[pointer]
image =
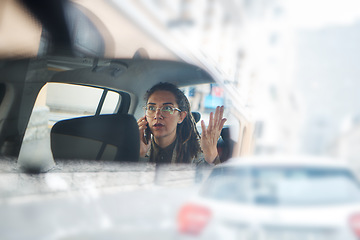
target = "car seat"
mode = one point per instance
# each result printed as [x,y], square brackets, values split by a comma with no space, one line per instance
[225,145]
[196,116]
[100,137]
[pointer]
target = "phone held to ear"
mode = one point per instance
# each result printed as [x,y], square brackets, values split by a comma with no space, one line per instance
[147,135]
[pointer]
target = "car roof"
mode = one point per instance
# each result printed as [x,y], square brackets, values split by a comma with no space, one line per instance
[134,76]
[126,74]
[285,161]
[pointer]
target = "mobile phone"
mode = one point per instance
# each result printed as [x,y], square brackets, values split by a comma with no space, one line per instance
[147,134]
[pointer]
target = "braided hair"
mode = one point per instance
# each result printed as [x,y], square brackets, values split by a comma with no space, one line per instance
[187,146]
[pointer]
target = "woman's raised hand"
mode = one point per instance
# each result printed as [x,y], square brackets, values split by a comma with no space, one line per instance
[211,134]
[144,142]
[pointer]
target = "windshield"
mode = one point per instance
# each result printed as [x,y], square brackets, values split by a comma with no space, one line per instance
[283,186]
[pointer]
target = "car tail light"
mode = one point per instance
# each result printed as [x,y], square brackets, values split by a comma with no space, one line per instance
[193,218]
[354,222]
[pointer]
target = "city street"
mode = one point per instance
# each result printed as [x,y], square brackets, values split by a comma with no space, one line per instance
[125,212]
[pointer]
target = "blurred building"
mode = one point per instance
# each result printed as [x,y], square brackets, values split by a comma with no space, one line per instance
[346,146]
[267,73]
[328,76]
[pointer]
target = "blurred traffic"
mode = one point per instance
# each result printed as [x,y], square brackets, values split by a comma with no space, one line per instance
[275,198]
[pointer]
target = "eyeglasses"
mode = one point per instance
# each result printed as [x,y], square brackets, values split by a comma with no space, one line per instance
[165,111]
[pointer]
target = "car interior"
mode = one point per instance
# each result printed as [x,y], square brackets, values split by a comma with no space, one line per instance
[97,136]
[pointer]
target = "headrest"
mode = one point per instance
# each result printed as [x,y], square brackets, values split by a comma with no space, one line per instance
[196,116]
[225,133]
[118,130]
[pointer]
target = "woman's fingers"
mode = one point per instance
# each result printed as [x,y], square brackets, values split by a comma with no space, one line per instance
[211,133]
[219,112]
[216,121]
[142,123]
[222,120]
[211,121]
[203,128]
[222,123]
[144,145]
[140,120]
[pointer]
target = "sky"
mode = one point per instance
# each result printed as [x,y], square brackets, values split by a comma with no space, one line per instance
[315,14]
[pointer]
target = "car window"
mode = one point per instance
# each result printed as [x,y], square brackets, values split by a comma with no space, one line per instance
[228,184]
[67,100]
[204,98]
[59,101]
[311,186]
[283,186]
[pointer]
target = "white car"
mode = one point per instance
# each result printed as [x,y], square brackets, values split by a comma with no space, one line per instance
[275,199]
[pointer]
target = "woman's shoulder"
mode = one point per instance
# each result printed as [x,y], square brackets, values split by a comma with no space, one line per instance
[200,160]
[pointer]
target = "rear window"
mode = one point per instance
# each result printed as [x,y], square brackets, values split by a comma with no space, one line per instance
[67,101]
[283,186]
[59,101]
[204,98]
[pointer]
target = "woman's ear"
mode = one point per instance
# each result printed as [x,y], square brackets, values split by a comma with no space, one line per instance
[182,116]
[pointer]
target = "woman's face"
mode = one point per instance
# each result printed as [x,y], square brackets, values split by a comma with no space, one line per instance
[164,128]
